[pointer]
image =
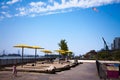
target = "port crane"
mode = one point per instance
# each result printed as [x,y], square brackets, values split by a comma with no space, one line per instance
[105,44]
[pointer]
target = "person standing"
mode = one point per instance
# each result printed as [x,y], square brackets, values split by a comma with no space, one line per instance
[14,71]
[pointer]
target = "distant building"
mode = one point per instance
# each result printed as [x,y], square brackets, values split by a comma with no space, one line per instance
[116,43]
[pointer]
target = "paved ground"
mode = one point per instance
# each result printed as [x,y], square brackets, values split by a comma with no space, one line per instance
[85,71]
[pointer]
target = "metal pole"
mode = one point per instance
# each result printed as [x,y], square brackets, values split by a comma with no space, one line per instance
[59,57]
[22,55]
[35,55]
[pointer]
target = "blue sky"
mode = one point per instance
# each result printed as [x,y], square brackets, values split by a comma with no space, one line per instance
[46,22]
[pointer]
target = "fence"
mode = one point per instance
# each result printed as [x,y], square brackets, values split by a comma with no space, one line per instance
[10,62]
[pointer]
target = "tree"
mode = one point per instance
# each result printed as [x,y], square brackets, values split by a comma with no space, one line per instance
[103,55]
[116,55]
[92,54]
[63,46]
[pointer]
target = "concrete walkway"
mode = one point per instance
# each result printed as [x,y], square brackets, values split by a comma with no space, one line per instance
[85,71]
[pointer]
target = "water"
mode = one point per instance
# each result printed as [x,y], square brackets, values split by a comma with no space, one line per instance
[9,57]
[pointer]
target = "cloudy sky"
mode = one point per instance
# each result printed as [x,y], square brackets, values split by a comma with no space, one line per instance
[32,8]
[82,23]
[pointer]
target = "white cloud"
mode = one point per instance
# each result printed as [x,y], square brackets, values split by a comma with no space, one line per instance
[12,1]
[37,4]
[53,6]
[4,7]
[42,7]
[56,12]
[3,13]
[6,14]
[22,12]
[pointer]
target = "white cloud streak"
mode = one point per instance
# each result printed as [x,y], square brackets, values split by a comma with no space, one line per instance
[12,1]
[33,9]
[56,7]
[6,14]
[4,7]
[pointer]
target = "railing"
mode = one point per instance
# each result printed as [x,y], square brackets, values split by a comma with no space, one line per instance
[18,61]
[103,72]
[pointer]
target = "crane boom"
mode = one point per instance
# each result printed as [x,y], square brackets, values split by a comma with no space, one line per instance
[105,44]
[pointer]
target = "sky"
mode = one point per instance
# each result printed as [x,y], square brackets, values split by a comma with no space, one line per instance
[82,23]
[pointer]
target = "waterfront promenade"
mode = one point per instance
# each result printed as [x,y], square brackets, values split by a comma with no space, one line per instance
[85,71]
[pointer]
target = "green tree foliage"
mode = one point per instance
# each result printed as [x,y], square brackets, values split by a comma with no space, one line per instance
[116,55]
[63,46]
[109,55]
[103,55]
[90,55]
